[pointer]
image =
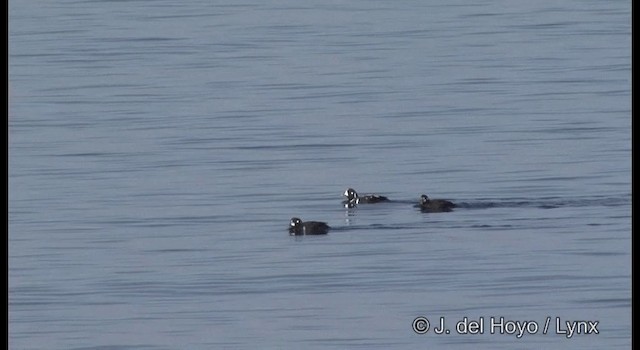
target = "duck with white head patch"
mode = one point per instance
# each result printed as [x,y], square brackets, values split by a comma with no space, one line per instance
[298,228]
[353,198]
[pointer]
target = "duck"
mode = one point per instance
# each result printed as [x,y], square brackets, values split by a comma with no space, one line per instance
[298,228]
[353,198]
[429,205]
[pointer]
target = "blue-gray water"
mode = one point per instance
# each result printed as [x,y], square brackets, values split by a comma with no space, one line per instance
[158,149]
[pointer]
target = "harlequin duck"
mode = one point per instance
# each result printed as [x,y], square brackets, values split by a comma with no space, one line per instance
[428,205]
[353,198]
[298,228]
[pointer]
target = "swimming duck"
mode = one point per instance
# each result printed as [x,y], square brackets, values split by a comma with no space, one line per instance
[353,198]
[297,227]
[429,205]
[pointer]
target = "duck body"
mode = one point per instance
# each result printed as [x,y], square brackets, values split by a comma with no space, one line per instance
[298,228]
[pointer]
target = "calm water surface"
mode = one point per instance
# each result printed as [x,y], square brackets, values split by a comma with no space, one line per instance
[157,151]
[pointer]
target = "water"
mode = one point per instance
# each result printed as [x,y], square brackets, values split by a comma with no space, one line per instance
[157,151]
